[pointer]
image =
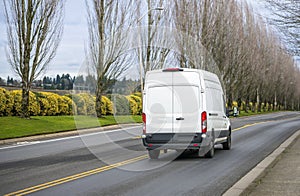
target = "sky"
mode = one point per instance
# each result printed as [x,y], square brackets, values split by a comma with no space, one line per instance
[70,54]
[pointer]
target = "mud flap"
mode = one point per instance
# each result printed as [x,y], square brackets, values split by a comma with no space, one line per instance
[205,146]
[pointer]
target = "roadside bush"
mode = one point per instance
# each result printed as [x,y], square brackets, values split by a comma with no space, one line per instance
[107,106]
[48,103]
[17,107]
[234,104]
[138,94]
[89,101]
[121,104]
[66,106]
[6,102]
[138,101]
[79,107]
[252,106]
[133,105]
[243,106]
[34,105]
[263,108]
[44,104]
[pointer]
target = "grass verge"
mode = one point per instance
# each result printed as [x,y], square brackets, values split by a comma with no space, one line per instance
[14,127]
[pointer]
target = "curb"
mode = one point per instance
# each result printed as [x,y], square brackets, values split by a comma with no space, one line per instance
[240,186]
[65,134]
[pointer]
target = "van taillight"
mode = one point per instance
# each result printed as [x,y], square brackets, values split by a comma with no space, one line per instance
[144,123]
[204,122]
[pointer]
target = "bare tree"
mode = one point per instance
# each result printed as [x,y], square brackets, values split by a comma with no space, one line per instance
[253,64]
[34,29]
[152,54]
[286,16]
[108,22]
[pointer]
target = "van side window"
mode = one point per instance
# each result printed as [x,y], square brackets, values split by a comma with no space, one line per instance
[214,100]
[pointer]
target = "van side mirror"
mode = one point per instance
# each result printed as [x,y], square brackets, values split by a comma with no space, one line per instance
[229,113]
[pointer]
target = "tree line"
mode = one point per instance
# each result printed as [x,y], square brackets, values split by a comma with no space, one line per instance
[78,83]
[225,37]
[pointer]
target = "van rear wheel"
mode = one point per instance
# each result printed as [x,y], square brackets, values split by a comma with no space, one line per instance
[227,145]
[153,154]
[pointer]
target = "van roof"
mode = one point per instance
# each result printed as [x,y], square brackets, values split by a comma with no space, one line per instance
[205,74]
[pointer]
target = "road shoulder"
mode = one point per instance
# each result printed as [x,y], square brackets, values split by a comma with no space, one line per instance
[265,179]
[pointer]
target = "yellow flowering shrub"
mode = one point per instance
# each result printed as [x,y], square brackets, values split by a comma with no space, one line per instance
[121,104]
[133,105]
[89,104]
[34,105]
[138,101]
[6,102]
[66,105]
[48,103]
[79,107]
[106,106]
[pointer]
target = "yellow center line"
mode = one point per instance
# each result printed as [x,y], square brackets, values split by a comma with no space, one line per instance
[249,125]
[136,137]
[75,177]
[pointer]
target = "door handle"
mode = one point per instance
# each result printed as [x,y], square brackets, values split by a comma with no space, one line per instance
[180,118]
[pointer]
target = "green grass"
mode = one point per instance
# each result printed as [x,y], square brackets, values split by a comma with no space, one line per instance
[14,127]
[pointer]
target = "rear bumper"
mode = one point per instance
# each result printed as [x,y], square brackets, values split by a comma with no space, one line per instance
[190,141]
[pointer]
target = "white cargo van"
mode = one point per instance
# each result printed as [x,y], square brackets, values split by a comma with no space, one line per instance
[184,109]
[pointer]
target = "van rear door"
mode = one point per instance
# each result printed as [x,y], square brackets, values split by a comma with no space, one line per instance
[173,102]
[159,109]
[186,109]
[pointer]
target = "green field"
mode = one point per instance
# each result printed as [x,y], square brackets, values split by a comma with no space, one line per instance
[14,127]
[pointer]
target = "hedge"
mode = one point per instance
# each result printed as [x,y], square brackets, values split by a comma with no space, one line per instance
[138,102]
[51,104]
[66,106]
[6,102]
[84,104]
[107,106]
[89,102]
[121,104]
[34,107]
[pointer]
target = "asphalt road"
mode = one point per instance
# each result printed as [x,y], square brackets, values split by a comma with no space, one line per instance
[115,163]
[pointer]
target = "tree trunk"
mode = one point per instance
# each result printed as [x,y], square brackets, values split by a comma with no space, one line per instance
[25,102]
[98,101]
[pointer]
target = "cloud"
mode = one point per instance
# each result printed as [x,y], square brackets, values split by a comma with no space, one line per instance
[73,65]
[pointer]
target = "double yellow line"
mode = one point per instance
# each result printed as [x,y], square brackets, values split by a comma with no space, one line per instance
[92,172]
[75,177]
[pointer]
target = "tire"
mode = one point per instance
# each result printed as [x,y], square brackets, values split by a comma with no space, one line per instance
[153,154]
[210,154]
[227,145]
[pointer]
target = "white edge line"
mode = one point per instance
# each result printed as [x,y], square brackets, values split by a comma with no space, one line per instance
[65,138]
